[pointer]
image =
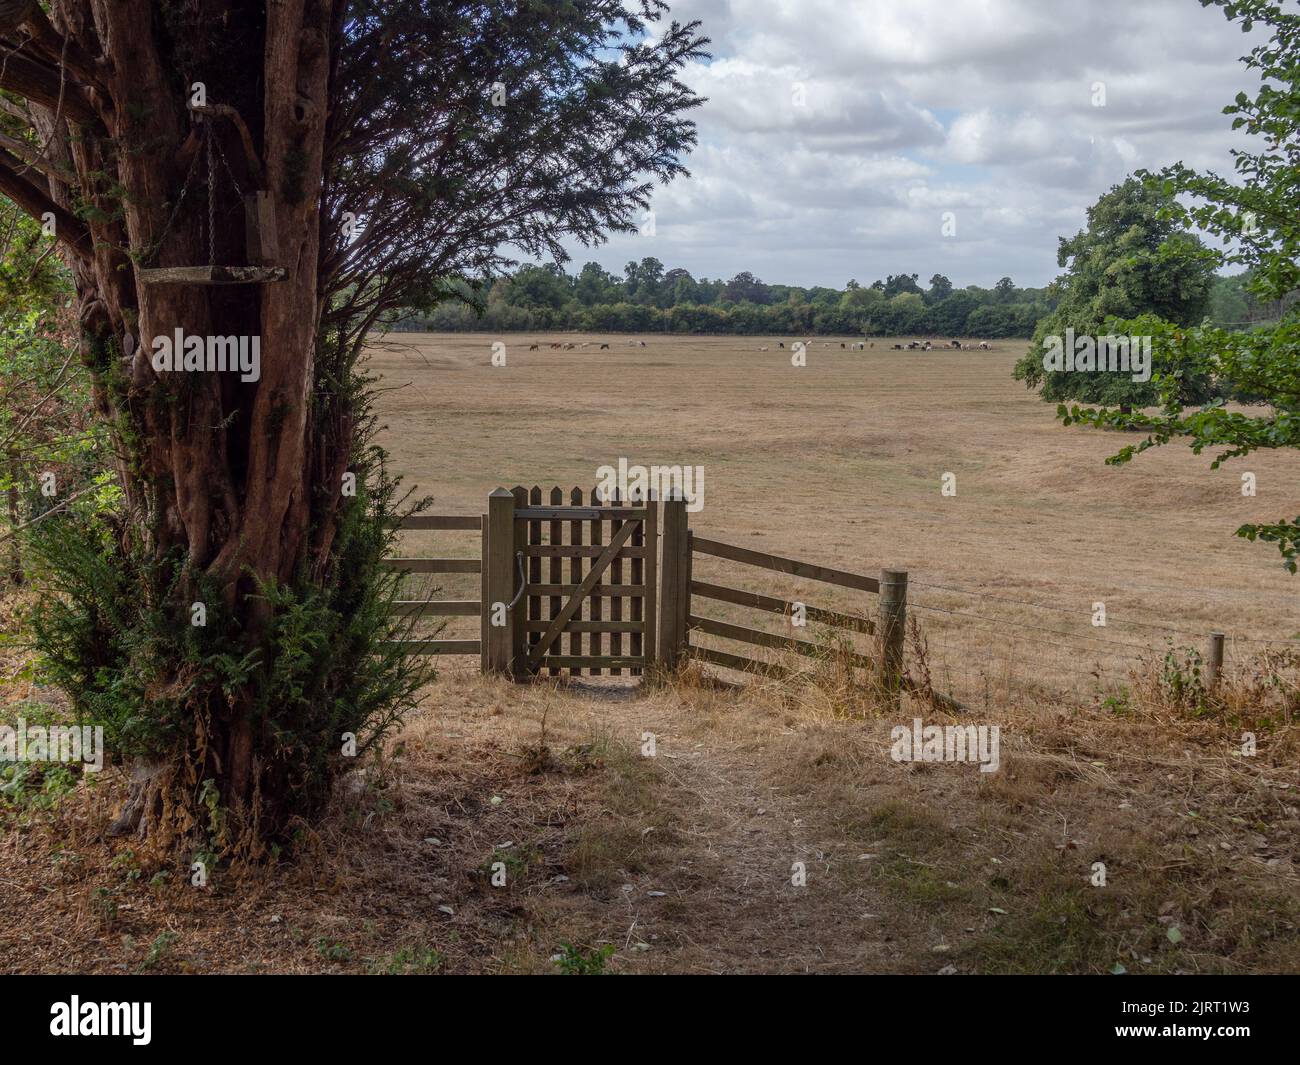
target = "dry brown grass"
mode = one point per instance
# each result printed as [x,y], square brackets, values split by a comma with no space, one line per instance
[683,862]
[840,462]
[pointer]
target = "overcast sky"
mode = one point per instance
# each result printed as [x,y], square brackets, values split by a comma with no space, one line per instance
[914,108]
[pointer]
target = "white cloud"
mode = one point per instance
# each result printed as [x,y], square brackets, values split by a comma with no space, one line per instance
[836,134]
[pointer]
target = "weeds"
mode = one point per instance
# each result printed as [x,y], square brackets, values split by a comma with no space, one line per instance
[573,961]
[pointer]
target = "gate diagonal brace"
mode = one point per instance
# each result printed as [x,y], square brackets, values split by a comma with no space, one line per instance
[575,600]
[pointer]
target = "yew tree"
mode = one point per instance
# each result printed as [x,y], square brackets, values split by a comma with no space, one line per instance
[363,157]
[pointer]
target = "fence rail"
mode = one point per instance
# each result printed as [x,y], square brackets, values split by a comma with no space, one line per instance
[422,608]
[886,664]
[785,565]
[585,584]
[579,583]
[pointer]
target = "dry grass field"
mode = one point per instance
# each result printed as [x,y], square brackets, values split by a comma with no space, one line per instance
[840,462]
[686,861]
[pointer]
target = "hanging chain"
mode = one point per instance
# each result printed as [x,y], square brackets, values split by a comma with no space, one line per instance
[156,247]
[212,199]
[229,173]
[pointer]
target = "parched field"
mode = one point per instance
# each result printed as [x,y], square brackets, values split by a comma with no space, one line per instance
[841,462]
[771,830]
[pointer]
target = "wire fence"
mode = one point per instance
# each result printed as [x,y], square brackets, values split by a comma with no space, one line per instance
[982,647]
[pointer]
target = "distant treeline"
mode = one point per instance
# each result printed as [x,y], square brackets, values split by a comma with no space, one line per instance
[650,299]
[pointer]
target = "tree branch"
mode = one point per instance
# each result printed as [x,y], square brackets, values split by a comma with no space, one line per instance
[27,154]
[68,227]
[42,84]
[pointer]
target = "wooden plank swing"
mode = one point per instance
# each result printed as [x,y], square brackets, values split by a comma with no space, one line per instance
[260,239]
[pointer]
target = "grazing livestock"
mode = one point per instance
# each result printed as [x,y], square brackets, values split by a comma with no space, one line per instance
[841,345]
[898,347]
[955,344]
[763,348]
[780,343]
[984,345]
[604,347]
[643,343]
[532,347]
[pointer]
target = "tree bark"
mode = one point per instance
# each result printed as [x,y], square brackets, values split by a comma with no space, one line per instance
[213,467]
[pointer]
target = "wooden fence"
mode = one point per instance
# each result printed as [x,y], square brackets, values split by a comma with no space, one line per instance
[554,591]
[422,608]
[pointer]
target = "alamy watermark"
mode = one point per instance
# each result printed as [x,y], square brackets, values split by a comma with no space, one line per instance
[657,482]
[77,1018]
[192,354]
[947,743]
[53,743]
[1106,354]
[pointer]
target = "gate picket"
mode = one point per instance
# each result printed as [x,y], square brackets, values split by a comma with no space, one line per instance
[575,577]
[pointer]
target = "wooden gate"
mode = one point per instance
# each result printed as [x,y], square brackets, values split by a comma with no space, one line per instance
[589,578]
[576,587]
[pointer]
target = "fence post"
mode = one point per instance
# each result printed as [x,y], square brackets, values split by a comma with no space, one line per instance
[674,589]
[519,615]
[1214,660]
[484,599]
[892,625]
[498,564]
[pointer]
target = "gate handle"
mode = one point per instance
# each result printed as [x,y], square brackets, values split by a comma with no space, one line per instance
[523,581]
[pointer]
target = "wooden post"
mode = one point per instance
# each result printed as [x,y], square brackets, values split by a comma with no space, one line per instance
[1214,660]
[484,599]
[259,229]
[519,616]
[684,616]
[672,581]
[499,582]
[892,627]
[648,574]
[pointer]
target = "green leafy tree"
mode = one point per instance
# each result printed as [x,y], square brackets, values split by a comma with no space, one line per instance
[746,288]
[952,315]
[539,287]
[940,289]
[595,284]
[1132,259]
[1257,217]
[46,424]
[900,283]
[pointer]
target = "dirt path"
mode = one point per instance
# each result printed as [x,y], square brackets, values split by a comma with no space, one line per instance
[731,901]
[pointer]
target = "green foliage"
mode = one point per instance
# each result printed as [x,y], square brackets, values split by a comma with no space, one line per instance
[36,787]
[44,392]
[159,949]
[649,298]
[1182,680]
[115,633]
[574,961]
[332,951]
[1131,261]
[407,960]
[1257,218]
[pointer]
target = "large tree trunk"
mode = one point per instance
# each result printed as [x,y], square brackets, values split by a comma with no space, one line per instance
[360,111]
[215,469]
